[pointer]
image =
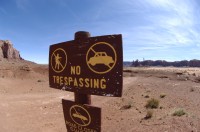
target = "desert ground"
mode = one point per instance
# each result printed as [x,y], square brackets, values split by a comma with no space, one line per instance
[28,104]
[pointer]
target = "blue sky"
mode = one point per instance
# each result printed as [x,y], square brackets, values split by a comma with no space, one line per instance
[151,29]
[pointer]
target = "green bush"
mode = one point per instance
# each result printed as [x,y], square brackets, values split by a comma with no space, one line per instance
[152,103]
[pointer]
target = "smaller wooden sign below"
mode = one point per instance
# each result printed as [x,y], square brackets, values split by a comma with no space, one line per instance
[81,118]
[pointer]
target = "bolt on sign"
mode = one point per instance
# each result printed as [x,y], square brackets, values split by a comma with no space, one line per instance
[81,118]
[90,66]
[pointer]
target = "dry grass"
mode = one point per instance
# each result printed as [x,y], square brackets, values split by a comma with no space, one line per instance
[179,112]
[149,114]
[152,103]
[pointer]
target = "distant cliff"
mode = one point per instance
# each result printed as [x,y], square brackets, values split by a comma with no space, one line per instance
[183,63]
[127,63]
[7,51]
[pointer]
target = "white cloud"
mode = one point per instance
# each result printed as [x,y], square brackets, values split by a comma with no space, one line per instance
[174,23]
[180,20]
[169,27]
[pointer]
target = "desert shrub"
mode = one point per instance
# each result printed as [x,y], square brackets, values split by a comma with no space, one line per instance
[146,96]
[152,103]
[162,95]
[149,114]
[179,112]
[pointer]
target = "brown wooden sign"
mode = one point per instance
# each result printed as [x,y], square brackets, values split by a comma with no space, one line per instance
[90,66]
[81,118]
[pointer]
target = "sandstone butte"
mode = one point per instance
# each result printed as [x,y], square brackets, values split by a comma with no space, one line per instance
[7,51]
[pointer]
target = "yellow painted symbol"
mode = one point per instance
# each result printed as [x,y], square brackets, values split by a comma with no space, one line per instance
[101,57]
[59,60]
[80,115]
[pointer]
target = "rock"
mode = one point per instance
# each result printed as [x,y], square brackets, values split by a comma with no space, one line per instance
[8,51]
[1,51]
[26,68]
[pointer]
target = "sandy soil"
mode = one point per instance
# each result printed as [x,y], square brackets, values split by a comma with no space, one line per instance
[27,104]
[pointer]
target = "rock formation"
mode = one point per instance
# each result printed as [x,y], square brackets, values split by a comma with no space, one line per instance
[8,51]
[183,63]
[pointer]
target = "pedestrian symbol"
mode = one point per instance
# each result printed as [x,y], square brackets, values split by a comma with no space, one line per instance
[59,60]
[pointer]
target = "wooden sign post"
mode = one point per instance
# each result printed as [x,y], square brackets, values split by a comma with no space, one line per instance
[86,66]
[78,97]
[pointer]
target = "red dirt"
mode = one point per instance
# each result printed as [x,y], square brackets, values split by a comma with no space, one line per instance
[28,104]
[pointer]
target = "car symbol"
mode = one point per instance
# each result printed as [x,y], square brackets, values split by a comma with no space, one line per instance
[101,58]
[80,116]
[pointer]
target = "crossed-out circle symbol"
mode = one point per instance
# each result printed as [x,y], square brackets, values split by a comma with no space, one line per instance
[80,115]
[59,60]
[101,57]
